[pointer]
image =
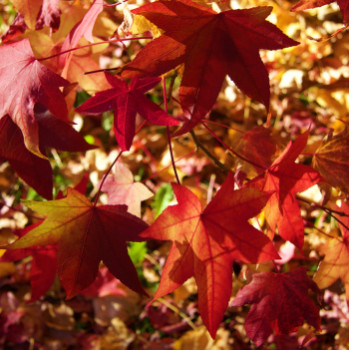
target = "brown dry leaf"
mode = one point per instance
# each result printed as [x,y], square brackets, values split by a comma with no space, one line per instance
[117,336]
[188,288]
[7,269]
[336,101]
[33,320]
[6,237]
[122,307]
[331,160]
[342,338]
[200,339]
[60,317]
[341,48]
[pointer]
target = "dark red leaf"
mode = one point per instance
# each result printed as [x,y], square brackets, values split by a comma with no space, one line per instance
[281,303]
[210,45]
[127,101]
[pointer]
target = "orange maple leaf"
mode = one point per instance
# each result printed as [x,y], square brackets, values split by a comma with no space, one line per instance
[336,261]
[285,178]
[206,242]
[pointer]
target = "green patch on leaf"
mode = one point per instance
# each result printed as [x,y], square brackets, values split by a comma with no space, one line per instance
[162,199]
[137,251]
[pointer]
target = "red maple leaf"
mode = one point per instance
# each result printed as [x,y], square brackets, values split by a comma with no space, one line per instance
[43,266]
[206,242]
[285,178]
[211,45]
[37,84]
[104,284]
[310,4]
[17,28]
[36,171]
[85,235]
[281,302]
[126,101]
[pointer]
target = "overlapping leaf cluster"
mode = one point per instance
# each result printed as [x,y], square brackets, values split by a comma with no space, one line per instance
[259,206]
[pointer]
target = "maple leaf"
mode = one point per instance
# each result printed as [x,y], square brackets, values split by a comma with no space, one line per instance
[43,266]
[210,45]
[86,234]
[281,302]
[29,9]
[49,15]
[104,284]
[36,171]
[81,29]
[285,178]
[39,13]
[310,4]
[205,243]
[37,84]
[17,28]
[335,264]
[127,100]
[331,160]
[44,258]
[121,189]
[250,147]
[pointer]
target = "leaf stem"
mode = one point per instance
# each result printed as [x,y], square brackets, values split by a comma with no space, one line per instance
[323,232]
[115,4]
[93,44]
[229,148]
[207,152]
[177,311]
[104,178]
[322,39]
[166,167]
[224,126]
[328,211]
[340,213]
[168,131]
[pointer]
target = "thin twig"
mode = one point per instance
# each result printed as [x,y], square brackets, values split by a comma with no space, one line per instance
[224,126]
[168,133]
[104,178]
[208,153]
[166,167]
[229,148]
[115,4]
[328,211]
[92,44]
[340,213]
[177,311]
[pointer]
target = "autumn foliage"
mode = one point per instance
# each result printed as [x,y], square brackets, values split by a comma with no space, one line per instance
[185,160]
